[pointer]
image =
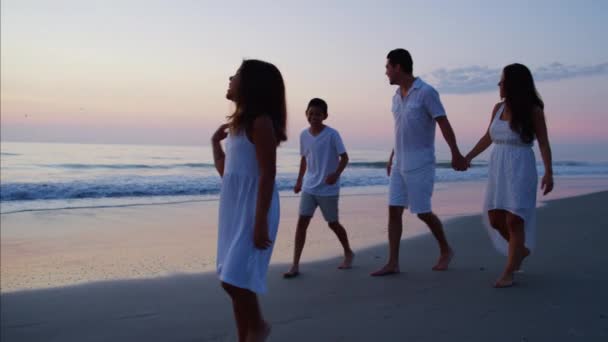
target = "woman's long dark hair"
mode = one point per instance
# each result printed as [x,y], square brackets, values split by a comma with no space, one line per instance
[261,91]
[522,99]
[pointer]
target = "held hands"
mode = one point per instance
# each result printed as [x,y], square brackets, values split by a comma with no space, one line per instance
[332,178]
[260,235]
[469,160]
[220,134]
[547,183]
[460,163]
[298,187]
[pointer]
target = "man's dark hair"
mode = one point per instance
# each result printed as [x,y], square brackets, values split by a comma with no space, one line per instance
[403,58]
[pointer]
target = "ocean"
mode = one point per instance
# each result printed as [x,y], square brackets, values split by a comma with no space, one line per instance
[50,176]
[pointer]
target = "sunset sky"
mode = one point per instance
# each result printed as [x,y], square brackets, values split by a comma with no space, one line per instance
[156,72]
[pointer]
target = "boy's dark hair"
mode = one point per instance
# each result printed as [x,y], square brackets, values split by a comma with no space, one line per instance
[403,58]
[319,103]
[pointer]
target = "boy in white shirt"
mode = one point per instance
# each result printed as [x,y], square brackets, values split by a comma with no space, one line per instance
[323,160]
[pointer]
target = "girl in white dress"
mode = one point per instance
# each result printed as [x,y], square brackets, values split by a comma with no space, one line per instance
[249,201]
[512,177]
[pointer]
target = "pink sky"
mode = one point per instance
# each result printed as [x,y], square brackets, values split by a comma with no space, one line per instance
[125,72]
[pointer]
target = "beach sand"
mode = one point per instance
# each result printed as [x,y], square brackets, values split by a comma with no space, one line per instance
[559,297]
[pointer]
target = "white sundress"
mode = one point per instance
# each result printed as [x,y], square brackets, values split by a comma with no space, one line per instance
[512,181]
[239,263]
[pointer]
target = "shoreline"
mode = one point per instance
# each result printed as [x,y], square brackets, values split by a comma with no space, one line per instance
[81,246]
[65,247]
[359,190]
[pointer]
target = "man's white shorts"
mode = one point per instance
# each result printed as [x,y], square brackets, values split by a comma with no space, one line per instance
[412,189]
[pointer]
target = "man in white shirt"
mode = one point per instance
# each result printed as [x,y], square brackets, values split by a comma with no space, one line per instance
[411,167]
[323,160]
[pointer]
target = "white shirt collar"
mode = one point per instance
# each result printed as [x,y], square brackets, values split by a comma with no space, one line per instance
[416,85]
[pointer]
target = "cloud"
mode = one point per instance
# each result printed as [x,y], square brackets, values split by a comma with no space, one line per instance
[558,71]
[476,79]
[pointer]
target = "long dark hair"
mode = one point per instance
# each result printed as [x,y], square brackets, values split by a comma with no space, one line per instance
[522,99]
[261,91]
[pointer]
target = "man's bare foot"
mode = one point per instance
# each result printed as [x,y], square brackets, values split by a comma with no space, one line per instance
[348,261]
[386,270]
[525,254]
[444,261]
[293,272]
[259,335]
[504,281]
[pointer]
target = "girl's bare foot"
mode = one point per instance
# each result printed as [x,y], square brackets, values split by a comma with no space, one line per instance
[293,272]
[444,261]
[348,261]
[386,270]
[504,281]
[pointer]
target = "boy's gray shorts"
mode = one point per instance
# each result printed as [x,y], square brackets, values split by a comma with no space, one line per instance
[328,205]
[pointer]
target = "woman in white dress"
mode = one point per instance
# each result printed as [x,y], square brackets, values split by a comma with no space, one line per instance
[512,177]
[249,201]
